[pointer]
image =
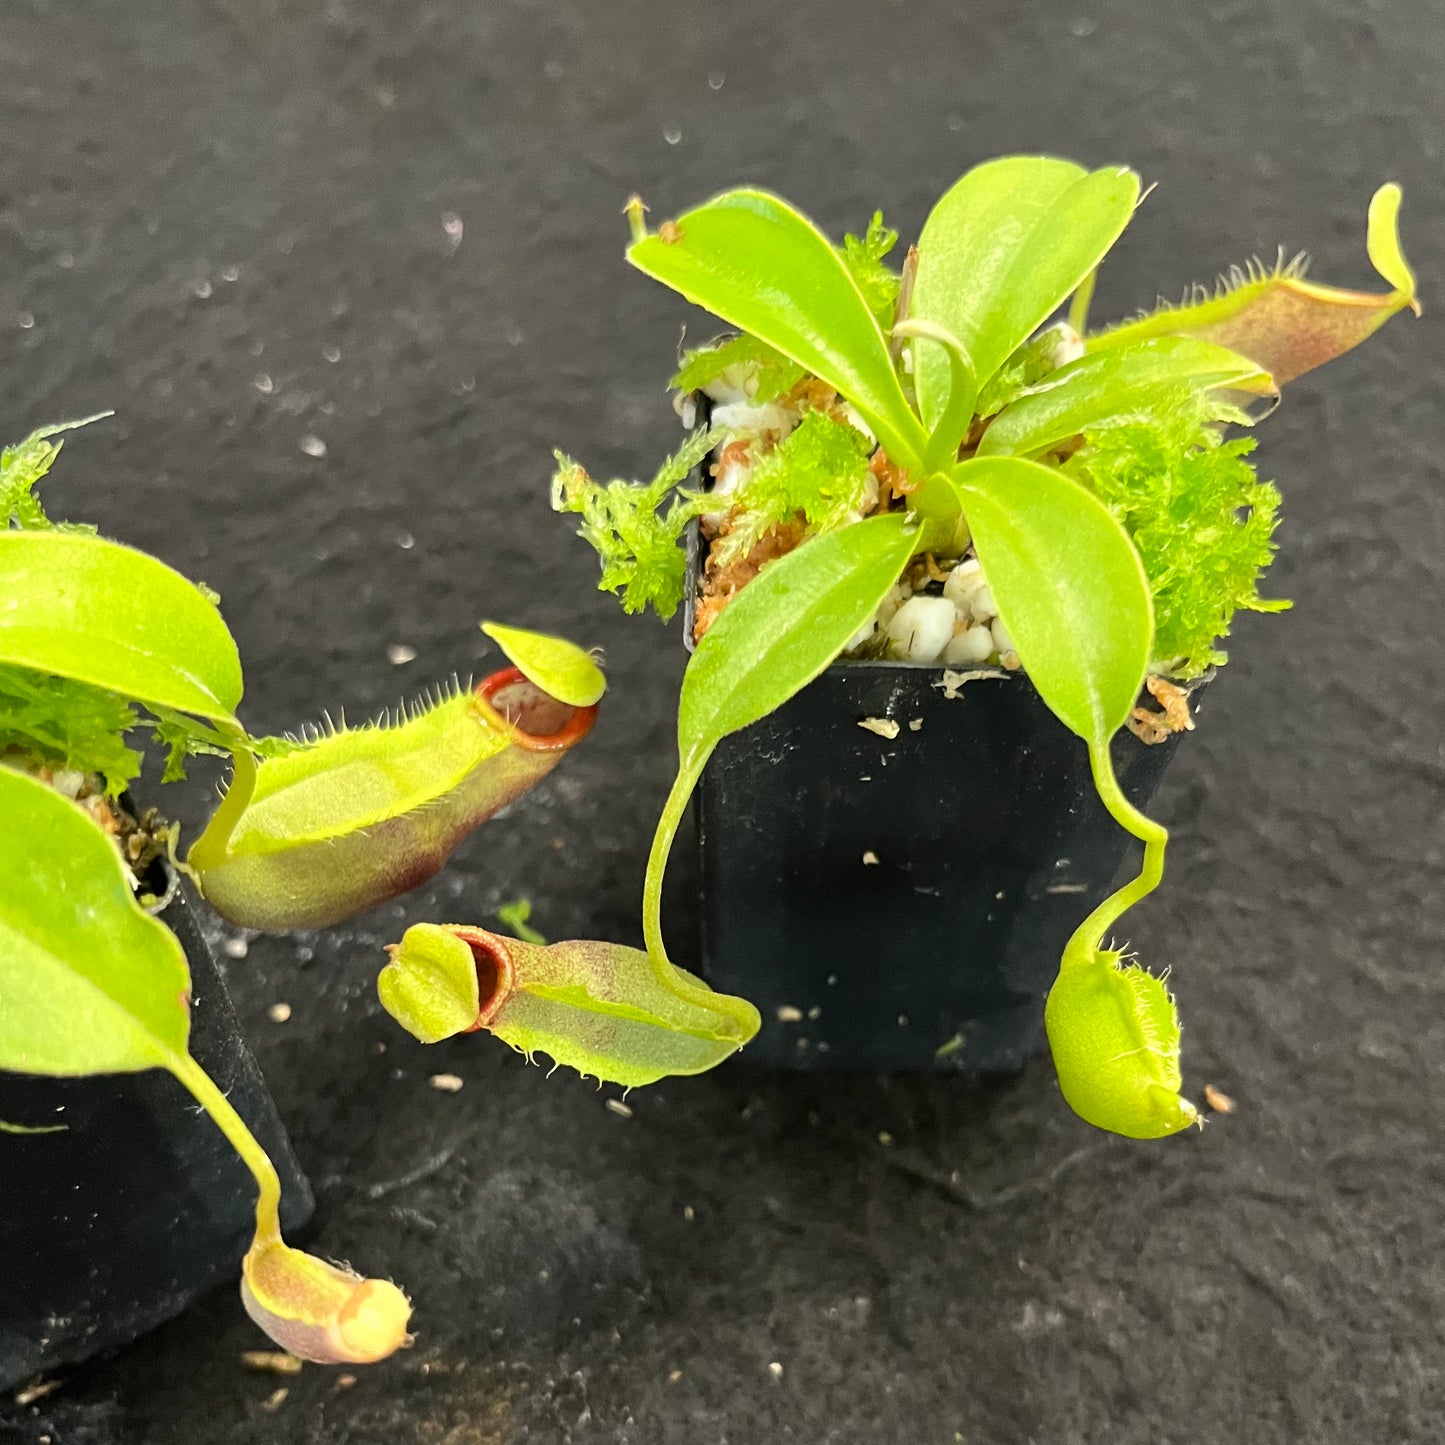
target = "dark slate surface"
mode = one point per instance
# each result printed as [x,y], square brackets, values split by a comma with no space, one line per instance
[198,197]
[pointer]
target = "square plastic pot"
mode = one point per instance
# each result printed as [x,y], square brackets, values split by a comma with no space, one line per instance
[902,903]
[139,1206]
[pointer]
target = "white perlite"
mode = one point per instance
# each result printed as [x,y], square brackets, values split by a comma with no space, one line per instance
[921,628]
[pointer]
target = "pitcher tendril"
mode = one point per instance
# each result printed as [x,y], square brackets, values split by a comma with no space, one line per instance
[316,1310]
[1112,1027]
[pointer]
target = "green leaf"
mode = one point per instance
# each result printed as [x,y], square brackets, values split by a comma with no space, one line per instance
[782,629]
[1028,366]
[1284,323]
[1069,587]
[89,982]
[753,260]
[1114,386]
[1002,249]
[560,668]
[775,636]
[81,607]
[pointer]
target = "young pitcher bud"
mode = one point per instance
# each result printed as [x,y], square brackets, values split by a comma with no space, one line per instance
[1114,1034]
[320,1312]
[599,1008]
[347,821]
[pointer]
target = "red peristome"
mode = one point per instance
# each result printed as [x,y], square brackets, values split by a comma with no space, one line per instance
[538,722]
[496,973]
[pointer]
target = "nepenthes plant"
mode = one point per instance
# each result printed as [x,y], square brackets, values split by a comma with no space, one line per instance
[917,464]
[99,644]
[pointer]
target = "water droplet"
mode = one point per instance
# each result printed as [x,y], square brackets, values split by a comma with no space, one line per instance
[313,446]
[715,80]
[955,122]
[230,273]
[452,225]
[405,541]
[672,134]
[331,353]
[399,654]
[26,319]
[201,289]
[264,384]
[1083,26]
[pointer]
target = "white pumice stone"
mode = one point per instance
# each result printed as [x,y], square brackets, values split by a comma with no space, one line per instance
[1001,639]
[734,385]
[972,645]
[68,781]
[922,627]
[897,595]
[743,417]
[962,583]
[981,605]
[856,421]
[730,478]
[1067,346]
[867,501]
[862,635]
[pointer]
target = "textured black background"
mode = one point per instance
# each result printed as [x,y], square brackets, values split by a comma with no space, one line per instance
[195,196]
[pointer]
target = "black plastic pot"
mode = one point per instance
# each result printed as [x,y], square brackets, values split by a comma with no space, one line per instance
[116,1224]
[903,904]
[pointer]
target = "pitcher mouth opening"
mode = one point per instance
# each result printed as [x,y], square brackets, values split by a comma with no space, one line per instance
[496,976]
[537,721]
